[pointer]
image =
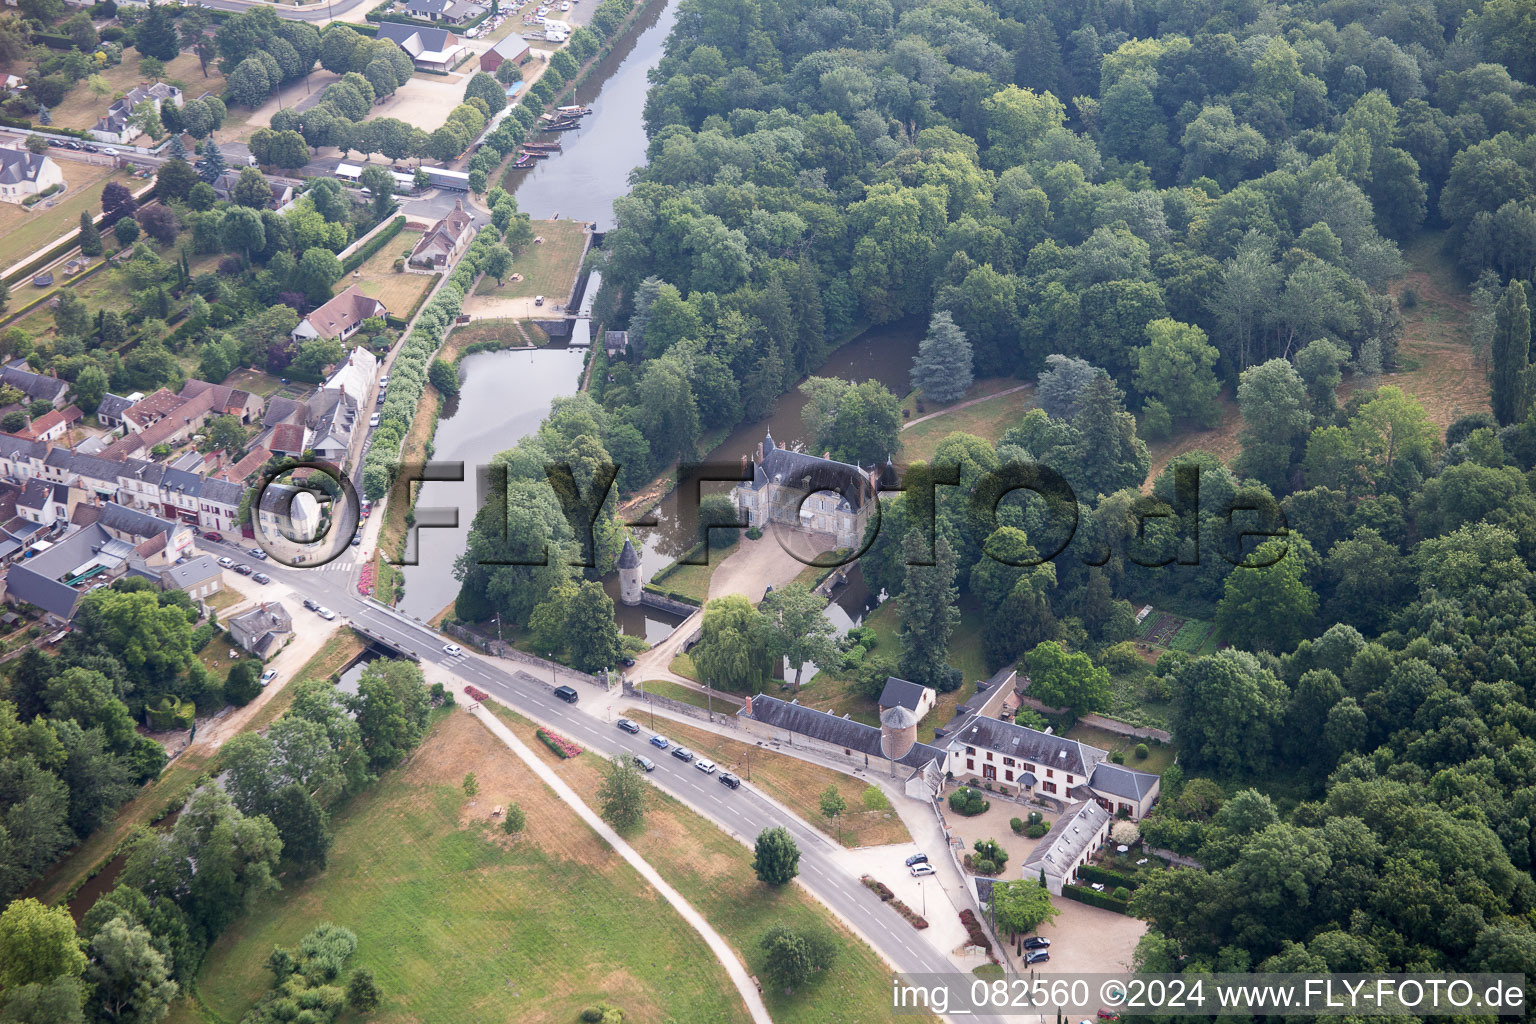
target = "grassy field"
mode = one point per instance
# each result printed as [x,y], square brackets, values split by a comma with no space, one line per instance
[254,381]
[1159,755]
[503,333]
[82,107]
[797,785]
[25,231]
[548,268]
[460,923]
[399,292]
[69,872]
[990,418]
[714,872]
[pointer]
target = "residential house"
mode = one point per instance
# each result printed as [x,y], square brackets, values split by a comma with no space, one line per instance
[355,376]
[245,470]
[1081,831]
[224,187]
[43,502]
[821,496]
[445,242]
[36,386]
[334,420]
[24,174]
[245,406]
[288,439]
[340,317]
[200,578]
[110,412]
[431,49]
[1018,760]
[260,630]
[116,125]
[513,48]
[453,12]
[288,511]
[915,697]
[53,424]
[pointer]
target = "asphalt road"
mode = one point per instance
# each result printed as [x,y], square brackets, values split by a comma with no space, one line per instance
[309,12]
[742,811]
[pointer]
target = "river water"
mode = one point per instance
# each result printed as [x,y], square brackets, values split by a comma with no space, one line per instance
[506,395]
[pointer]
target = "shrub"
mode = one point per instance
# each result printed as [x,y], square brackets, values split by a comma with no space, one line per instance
[968,801]
[973,930]
[1035,817]
[874,799]
[1121,893]
[1408,299]
[986,867]
[879,888]
[560,745]
[1102,900]
[1036,830]
[1142,751]
[1017,824]
[1117,757]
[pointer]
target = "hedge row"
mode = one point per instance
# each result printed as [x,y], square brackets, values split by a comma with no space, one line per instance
[878,888]
[373,245]
[1102,900]
[974,930]
[408,376]
[1094,873]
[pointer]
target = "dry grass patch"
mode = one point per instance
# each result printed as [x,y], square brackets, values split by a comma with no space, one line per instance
[458,923]
[400,292]
[82,107]
[503,333]
[25,231]
[548,268]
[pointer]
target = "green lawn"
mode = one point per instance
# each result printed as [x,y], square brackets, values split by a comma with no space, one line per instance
[1159,755]
[26,231]
[714,872]
[990,418]
[460,924]
[688,695]
[548,268]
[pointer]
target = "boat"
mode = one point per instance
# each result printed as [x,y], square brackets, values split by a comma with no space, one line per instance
[559,126]
[576,110]
[526,160]
[526,155]
[542,147]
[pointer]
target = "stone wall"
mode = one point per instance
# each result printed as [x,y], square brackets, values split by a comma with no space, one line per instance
[726,717]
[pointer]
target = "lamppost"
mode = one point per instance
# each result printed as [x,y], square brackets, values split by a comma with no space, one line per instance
[500,644]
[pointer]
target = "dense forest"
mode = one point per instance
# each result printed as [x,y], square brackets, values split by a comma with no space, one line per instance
[1143,208]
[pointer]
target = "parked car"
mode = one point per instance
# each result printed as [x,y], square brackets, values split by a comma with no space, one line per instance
[384,381]
[243,569]
[917,858]
[919,870]
[628,726]
[357,538]
[1039,956]
[566,693]
[213,535]
[645,762]
[729,781]
[1108,1014]
[683,754]
[660,742]
[325,613]
[627,662]
[453,650]
[257,553]
[707,767]
[109,151]
[262,578]
[227,562]
[310,604]
[267,676]
[373,420]
[538,300]
[1037,942]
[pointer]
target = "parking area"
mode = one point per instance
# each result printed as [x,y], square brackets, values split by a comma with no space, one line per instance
[1088,940]
[927,895]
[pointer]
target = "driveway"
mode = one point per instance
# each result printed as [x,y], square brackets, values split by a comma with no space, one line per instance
[993,824]
[928,896]
[1087,940]
[753,567]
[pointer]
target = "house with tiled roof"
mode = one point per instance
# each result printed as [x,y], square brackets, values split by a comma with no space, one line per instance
[340,317]
[1077,835]
[431,49]
[244,405]
[444,242]
[243,471]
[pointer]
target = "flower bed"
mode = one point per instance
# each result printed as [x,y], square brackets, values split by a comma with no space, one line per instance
[559,744]
[973,929]
[879,888]
[365,580]
[477,693]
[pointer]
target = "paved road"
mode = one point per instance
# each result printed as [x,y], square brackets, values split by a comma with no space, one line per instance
[309,12]
[742,812]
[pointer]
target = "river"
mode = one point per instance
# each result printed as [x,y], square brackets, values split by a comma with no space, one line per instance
[505,395]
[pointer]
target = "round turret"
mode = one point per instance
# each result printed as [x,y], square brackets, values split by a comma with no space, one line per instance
[629,574]
[898,732]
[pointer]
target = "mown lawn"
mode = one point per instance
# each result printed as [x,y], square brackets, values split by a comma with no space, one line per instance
[81,108]
[27,230]
[714,872]
[400,292]
[989,418]
[460,923]
[688,695]
[548,268]
[1159,755]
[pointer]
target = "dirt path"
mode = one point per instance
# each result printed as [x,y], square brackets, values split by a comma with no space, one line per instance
[722,950]
[966,405]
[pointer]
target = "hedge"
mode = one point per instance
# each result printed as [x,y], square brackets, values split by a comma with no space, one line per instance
[373,245]
[1102,900]
[1094,873]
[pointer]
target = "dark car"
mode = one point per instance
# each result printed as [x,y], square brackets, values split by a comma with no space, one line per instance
[262,577]
[660,742]
[310,604]
[566,694]
[213,535]
[729,781]
[1037,942]
[917,858]
[628,726]
[682,753]
[645,762]
[1039,956]
[243,569]
[627,662]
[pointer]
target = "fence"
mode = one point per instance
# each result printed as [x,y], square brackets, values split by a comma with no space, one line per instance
[507,651]
[726,717]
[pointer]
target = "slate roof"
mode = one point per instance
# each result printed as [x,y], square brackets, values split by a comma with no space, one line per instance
[113,406]
[415,40]
[1066,840]
[1029,744]
[33,385]
[284,410]
[829,728]
[811,473]
[628,558]
[191,573]
[17,166]
[133,522]
[35,494]
[1121,781]
[900,693]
